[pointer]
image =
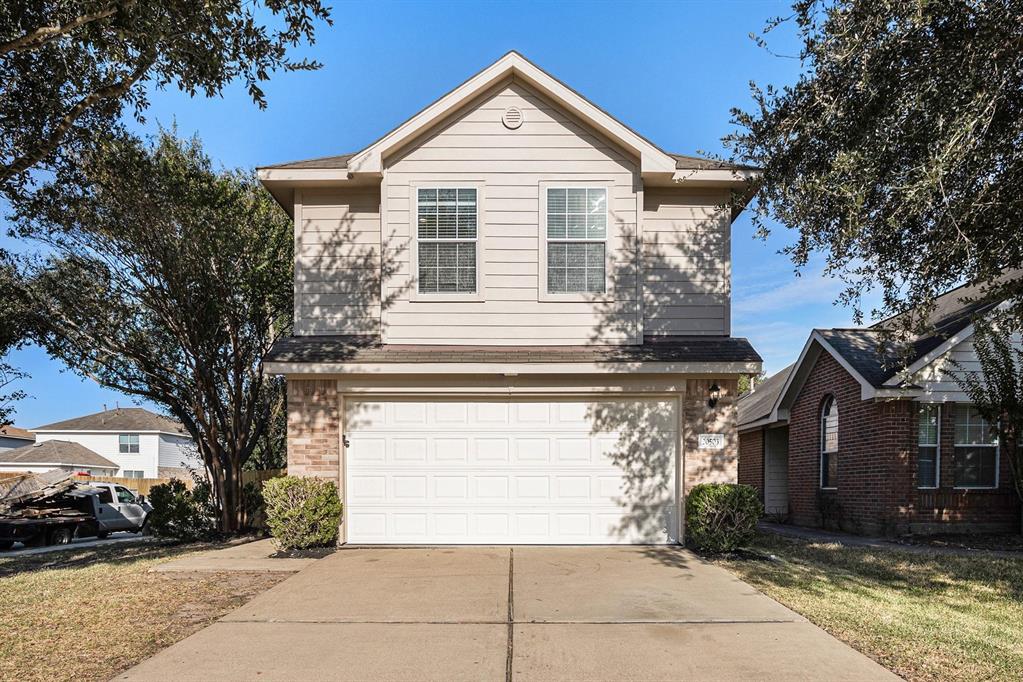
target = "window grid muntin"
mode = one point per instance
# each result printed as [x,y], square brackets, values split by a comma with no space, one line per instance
[576,233]
[929,446]
[447,231]
[829,444]
[975,458]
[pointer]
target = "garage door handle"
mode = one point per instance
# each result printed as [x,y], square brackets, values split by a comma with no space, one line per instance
[344,441]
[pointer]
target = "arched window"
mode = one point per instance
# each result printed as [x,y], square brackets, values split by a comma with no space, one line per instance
[829,443]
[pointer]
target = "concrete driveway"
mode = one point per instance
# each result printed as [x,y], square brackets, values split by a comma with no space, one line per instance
[523,613]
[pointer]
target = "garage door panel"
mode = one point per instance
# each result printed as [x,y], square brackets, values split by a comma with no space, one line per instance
[505,471]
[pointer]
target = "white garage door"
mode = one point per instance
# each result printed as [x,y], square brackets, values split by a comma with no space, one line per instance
[502,471]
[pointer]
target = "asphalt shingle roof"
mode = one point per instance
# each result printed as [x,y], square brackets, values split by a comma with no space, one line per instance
[55,452]
[119,419]
[754,406]
[355,349]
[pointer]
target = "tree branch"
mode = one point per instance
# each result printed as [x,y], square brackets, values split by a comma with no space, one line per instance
[111,91]
[44,34]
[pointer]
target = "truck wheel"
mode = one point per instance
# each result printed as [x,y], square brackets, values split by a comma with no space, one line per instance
[145,528]
[37,540]
[6,545]
[61,536]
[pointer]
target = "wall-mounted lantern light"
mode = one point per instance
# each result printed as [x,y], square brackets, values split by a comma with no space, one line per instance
[715,394]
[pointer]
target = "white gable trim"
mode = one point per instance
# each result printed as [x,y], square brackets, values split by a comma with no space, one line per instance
[652,159]
[935,354]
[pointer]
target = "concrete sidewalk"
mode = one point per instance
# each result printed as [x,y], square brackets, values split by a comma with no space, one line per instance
[249,556]
[501,613]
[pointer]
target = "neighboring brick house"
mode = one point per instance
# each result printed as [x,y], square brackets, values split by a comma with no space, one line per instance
[512,322]
[844,439]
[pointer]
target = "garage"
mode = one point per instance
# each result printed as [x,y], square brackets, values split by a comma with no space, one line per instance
[501,471]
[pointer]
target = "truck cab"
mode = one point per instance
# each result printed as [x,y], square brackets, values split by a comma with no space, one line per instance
[118,508]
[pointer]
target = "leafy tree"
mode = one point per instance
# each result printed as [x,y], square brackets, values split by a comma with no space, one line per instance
[12,330]
[997,390]
[748,381]
[168,280]
[898,151]
[70,68]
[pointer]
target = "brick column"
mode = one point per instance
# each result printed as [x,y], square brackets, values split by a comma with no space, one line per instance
[710,466]
[313,428]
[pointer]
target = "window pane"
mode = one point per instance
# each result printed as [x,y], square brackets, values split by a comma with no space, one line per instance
[555,226]
[596,225]
[576,200]
[975,466]
[575,268]
[427,197]
[447,267]
[927,467]
[927,432]
[971,429]
[829,426]
[596,200]
[555,201]
[576,225]
[829,469]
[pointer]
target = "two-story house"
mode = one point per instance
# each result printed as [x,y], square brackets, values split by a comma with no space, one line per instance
[512,322]
[129,442]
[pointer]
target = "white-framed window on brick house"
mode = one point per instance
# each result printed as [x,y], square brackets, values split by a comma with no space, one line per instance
[928,458]
[829,443]
[128,444]
[446,244]
[975,455]
[574,240]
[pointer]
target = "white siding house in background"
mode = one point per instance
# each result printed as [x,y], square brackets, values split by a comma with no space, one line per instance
[12,437]
[141,443]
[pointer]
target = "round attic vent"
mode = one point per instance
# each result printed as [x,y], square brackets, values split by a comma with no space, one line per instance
[512,118]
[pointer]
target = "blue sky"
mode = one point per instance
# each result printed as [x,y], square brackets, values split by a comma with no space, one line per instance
[671,71]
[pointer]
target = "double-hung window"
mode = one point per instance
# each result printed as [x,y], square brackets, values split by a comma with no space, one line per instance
[128,444]
[829,443]
[976,450]
[928,461]
[446,232]
[576,240]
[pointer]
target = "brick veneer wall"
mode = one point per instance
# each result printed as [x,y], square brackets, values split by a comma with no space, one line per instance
[313,428]
[710,466]
[877,489]
[751,459]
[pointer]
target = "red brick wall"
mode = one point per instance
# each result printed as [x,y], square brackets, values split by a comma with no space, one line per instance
[313,428]
[975,509]
[877,488]
[751,459]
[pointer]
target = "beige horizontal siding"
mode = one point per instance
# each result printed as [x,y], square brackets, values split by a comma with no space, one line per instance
[686,259]
[338,261]
[510,165]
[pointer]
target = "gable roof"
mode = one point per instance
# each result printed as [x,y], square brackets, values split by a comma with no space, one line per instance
[55,453]
[119,419]
[758,404]
[15,432]
[369,161]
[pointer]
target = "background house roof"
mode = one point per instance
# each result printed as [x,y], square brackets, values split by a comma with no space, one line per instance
[15,432]
[119,419]
[759,404]
[361,349]
[56,453]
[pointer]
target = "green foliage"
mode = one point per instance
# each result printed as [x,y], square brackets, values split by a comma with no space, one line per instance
[302,512]
[721,517]
[71,68]
[746,381]
[168,280]
[181,513]
[897,154]
[13,314]
[997,390]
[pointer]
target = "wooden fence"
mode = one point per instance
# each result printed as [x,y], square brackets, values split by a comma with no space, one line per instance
[143,485]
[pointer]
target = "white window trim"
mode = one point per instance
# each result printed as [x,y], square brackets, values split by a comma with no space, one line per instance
[138,444]
[822,451]
[937,446]
[998,461]
[453,297]
[610,243]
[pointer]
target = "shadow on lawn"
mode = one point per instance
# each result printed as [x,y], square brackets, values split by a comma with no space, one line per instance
[109,554]
[865,569]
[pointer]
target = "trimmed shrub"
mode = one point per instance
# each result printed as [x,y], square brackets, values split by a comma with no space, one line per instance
[721,517]
[302,512]
[182,513]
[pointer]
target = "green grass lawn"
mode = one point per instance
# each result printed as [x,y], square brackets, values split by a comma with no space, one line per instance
[923,617]
[89,614]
